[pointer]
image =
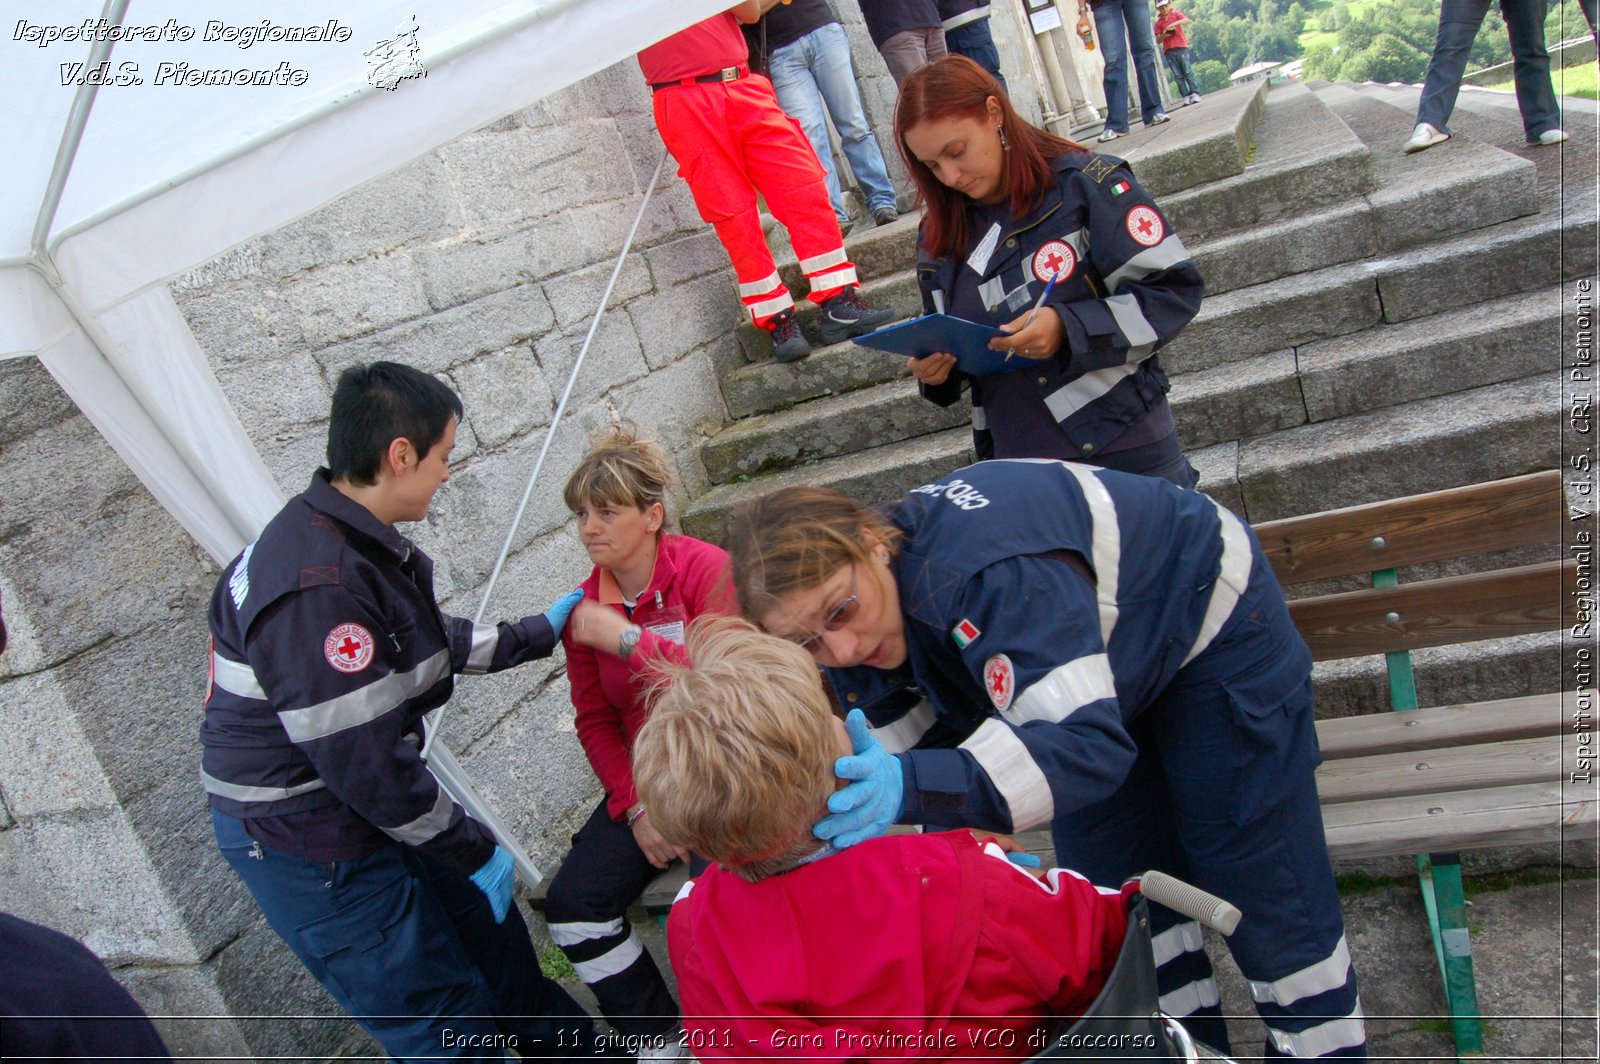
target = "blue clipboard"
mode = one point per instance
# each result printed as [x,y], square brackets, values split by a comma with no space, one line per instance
[931,333]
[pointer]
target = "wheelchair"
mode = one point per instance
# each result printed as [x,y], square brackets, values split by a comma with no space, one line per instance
[1125,1021]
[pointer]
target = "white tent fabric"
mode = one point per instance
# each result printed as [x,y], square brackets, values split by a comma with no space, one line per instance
[169,174]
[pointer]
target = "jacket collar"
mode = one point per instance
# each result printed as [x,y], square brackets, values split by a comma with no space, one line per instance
[610,592]
[323,496]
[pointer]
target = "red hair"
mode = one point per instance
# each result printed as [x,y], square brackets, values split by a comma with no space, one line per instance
[956,87]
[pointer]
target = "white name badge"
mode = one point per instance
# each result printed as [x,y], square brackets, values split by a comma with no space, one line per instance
[672,633]
[979,259]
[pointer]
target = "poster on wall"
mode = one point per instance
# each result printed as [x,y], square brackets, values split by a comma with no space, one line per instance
[1044,17]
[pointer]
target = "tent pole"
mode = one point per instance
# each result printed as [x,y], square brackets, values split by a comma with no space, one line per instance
[443,763]
[67,150]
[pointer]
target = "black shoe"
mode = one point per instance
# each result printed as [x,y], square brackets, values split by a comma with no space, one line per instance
[788,342]
[847,315]
[885,215]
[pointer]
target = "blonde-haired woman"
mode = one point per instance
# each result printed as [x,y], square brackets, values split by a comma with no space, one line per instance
[645,589]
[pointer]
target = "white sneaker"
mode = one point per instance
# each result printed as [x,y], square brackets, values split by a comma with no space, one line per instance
[1194,97]
[1109,134]
[1424,136]
[1160,117]
[1548,137]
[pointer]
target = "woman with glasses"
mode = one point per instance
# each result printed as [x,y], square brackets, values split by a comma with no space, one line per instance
[1067,254]
[645,589]
[1102,652]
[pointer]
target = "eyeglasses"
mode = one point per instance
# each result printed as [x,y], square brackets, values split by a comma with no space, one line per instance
[837,618]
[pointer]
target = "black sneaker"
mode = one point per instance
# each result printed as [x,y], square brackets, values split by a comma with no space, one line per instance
[847,315]
[788,342]
[885,215]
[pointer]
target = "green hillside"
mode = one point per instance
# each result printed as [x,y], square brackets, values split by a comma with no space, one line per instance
[1341,40]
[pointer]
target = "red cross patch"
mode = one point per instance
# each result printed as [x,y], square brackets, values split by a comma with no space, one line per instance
[1056,257]
[348,648]
[999,681]
[1144,225]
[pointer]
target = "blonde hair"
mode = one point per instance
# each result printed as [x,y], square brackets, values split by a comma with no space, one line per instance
[794,539]
[619,470]
[736,759]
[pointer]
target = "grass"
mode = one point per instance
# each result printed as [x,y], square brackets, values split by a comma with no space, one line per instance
[1577,80]
[556,966]
[1353,884]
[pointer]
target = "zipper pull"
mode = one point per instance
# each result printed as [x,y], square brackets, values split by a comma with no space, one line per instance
[658,600]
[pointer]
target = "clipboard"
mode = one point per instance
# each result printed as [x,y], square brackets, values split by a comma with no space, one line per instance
[931,333]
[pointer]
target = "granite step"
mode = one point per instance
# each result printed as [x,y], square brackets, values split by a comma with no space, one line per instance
[1453,187]
[1200,144]
[1305,160]
[763,387]
[1485,343]
[826,428]
[872,475]
[1520,255]
[1499,430]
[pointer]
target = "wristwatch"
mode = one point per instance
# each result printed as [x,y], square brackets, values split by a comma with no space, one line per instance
[628,641]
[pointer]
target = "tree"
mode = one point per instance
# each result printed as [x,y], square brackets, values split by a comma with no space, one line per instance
[1273,42]
[1211,76]
[1323,61]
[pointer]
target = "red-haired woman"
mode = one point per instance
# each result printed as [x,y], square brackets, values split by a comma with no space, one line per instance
[1010,206]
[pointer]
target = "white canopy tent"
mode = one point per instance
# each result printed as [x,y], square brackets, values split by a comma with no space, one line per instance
[109,191]
[147,137]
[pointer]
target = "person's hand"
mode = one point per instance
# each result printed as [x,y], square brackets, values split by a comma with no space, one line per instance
[496,878]
[561,609]
[657,850]
[1010,847]
[1040,340]
[597,627]
[876,791]
[933,369]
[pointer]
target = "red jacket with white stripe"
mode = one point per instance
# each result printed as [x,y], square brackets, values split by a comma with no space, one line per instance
[907,945]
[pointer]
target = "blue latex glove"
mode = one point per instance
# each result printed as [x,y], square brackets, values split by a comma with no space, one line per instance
[864,809]
[1026,860]
[495,879]
[561,609]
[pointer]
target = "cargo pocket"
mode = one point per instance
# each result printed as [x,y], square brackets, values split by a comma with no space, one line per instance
[347,940]
[1271,715]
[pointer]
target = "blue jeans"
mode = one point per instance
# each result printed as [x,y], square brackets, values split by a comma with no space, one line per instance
[1109,21]
[816,70]
[409,948]
[1459,21]
[976,43]
[1182,71]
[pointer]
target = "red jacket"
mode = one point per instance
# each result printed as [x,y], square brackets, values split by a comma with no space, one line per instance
[691,578]
[908,945]
[1179,39]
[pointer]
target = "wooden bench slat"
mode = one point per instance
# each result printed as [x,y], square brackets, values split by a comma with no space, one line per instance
[1458,609]
[1459,522]
[1442,726]
[1428,771]
[1501,816]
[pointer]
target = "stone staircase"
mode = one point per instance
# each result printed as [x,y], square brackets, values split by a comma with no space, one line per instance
[1375,325]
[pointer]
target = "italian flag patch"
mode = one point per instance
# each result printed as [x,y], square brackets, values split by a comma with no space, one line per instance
[964,633]
[1120,187]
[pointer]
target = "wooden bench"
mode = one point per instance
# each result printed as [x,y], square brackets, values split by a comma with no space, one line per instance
[1442,779]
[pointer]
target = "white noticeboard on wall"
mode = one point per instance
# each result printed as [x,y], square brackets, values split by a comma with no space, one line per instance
[1043,15]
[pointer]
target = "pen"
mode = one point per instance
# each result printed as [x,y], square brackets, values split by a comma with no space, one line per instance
[1050,284]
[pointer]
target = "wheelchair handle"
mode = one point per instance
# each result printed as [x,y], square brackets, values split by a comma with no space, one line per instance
[1189,900]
